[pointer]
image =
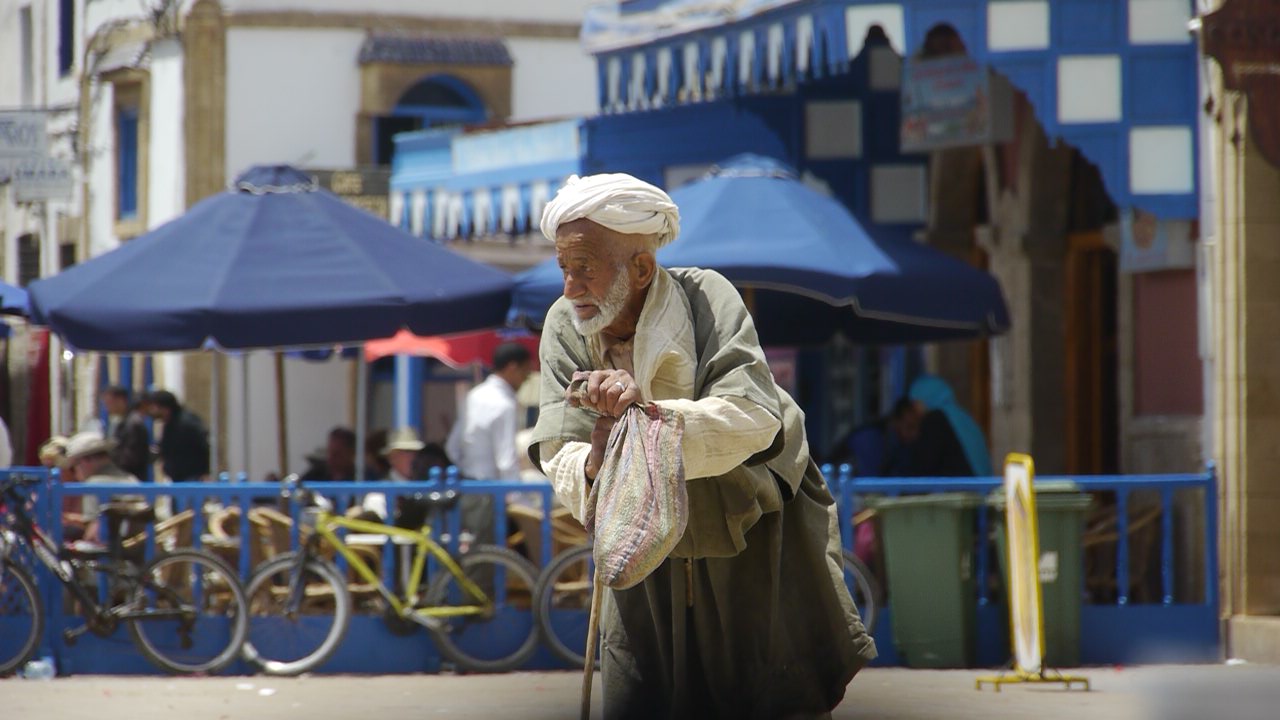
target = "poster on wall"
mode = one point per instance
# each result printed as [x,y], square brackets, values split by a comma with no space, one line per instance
[953,102]
[1149,244]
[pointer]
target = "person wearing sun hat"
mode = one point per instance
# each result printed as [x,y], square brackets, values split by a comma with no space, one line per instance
[402,449]
[89,455]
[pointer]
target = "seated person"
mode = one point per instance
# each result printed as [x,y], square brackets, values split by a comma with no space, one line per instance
[401,452]
[339,458]
[88,455]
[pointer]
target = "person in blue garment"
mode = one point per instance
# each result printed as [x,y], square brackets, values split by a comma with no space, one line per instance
[944,439]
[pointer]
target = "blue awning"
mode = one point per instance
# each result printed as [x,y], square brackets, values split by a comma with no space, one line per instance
[1122,89]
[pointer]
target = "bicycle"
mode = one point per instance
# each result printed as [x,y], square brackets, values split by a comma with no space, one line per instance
[475,608]
[185,609]
[562,599]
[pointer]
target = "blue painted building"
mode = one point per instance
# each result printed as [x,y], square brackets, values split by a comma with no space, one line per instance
[1084,209]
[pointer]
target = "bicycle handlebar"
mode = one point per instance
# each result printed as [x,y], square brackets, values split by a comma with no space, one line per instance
[16,481]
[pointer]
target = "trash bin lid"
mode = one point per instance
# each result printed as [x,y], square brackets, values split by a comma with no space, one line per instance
[1050,494]
[954,500]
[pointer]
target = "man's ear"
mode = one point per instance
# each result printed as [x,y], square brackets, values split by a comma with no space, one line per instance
[643,267]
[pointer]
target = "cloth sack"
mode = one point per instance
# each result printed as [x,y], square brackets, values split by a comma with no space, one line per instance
[638,506]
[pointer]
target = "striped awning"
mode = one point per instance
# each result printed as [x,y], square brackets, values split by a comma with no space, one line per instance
[1117,80]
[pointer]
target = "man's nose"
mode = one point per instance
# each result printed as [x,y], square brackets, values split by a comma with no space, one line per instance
[572,287]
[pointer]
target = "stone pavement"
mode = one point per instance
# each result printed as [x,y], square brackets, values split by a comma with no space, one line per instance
[1157,692]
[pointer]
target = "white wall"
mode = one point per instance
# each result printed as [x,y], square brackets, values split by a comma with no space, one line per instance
[166,182]
[317,398]
[563,11]
[551,78]
[102,173]
[292,97]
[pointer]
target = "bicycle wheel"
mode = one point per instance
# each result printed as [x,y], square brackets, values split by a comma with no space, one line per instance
[864,589]
[21,617]
[194,616]
[290,638]
[562,604]
[501,637]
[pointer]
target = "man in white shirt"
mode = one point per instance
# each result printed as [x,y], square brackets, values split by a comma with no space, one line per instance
[483,440]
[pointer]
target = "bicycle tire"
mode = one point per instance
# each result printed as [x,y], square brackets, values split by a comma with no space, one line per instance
[273,632]
[563,607]
[459,637]
[17,586]
[864,589]
[218,600]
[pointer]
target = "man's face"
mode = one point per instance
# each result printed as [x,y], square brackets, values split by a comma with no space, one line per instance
[402,462]
[907,425]
[595,281]
[115,404]
[522,372]
[340,459]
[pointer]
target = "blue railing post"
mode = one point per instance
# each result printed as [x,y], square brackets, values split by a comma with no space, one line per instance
[1166,544]
[1122,547]
[1211,538]
[983,544]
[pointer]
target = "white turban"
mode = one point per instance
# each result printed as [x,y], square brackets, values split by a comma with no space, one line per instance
[617,201]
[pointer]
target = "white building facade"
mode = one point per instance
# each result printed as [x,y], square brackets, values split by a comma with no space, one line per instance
[158,105]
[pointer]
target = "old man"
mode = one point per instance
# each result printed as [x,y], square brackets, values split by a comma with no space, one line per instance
[749,616]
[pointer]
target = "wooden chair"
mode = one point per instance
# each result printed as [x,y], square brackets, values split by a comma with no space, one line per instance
[1099,542]
[528,532]
[566,531]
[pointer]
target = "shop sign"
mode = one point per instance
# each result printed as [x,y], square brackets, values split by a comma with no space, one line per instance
[953,102]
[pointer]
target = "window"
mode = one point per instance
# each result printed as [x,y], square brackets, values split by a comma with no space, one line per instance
[437,101]
[26,39]
[126,163]
[28,258]
[66,36]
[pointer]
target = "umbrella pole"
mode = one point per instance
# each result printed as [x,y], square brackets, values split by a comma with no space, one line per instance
[362,392]
[244,412]
[282,426]
[215,410]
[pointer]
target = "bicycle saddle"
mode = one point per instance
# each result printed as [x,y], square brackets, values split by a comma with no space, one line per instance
[130,512]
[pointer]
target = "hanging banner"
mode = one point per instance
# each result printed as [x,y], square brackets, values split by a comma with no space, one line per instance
[1026,614]
[23,135]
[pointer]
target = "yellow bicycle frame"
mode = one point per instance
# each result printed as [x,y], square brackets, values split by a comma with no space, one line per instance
[327,524]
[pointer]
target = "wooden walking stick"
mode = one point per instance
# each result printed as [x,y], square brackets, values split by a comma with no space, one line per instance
[593,630]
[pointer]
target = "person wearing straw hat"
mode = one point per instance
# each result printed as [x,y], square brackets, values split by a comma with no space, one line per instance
[748,616]
[89,455]
[401,452]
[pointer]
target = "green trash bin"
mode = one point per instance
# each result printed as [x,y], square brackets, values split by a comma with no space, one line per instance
[1060,516]
[928,547]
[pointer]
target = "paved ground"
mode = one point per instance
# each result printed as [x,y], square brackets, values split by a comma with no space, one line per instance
[1163,693]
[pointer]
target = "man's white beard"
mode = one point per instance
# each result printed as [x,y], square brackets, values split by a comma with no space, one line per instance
[607,308]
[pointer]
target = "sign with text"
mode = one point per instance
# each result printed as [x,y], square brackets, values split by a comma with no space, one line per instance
[953,102]
[23,135]
[42,179]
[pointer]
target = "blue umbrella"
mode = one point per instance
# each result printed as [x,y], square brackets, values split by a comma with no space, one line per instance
[13,300]
[814,269]
[273,262]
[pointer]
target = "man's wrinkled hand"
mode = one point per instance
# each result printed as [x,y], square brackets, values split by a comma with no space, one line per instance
[608,392]
[599,440]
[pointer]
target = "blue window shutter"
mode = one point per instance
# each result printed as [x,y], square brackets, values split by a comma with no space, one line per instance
[66,35]
[126,163]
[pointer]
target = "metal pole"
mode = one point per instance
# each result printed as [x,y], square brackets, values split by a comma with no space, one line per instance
[215,397]
[245,414]
[362,400]
[282,437]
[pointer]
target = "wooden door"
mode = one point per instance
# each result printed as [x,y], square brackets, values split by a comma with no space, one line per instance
[1092,387]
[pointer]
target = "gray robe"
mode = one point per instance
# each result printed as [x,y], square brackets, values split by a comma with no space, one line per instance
[771,630]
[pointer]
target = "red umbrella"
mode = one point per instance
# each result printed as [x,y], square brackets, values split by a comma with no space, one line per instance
[456,351]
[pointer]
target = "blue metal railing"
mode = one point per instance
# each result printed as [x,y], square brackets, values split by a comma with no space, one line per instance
[847,488]
[849,491]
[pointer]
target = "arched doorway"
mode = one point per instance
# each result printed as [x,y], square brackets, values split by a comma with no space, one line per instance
[434,101]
